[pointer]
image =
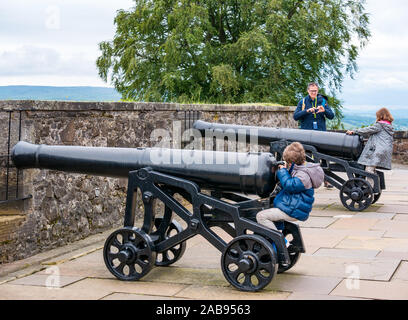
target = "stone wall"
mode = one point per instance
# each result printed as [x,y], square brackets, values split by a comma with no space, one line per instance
[400,154]
[67,207]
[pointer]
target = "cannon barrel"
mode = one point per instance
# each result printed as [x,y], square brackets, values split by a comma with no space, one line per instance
[251,173]
[330,143]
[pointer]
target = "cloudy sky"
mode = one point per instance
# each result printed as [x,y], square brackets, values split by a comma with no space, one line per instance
[55,42]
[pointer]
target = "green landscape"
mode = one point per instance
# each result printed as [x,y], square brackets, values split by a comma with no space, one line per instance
[353,117]
[358,118]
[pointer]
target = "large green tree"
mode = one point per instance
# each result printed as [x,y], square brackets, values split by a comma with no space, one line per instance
[233,50]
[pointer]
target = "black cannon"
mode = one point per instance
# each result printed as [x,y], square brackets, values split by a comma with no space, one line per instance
[249,261]
[336,152]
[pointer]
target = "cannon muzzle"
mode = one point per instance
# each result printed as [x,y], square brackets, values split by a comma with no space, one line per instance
[252,173]
[330,143]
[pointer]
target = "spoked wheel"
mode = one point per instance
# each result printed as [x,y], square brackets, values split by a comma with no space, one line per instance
[294,255]
[356,194]
[249,262]
[376,197]
[294,252]
[128,254]
[173,254]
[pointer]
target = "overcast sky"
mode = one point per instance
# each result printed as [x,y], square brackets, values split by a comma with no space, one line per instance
[55,42]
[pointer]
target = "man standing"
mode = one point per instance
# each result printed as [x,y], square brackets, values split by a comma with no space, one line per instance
[313,110]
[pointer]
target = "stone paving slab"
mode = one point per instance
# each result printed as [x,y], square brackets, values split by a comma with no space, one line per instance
[300,283]
[390,201]
[18,292]
[354,224]
[322,205]
[321,213]
[393,228]
[313,296]
[131,296]
[402,272]
[346,253]
[229,293]
[192,276]
[108,286]
[72,255]
[393,290]
[88,265]
[208,258]
[338,207]
[46,280]
[310,250]
[375,215]
[400,217]
[24,272]
[369,269]
[391,225]
[396,234]
[385,254]
[369,243]
[399,209]
[313,237]
[329,238]
[317,222]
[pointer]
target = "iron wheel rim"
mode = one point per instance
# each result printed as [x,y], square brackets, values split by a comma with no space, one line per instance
[354,192]
[132,257]
[249,263]
[294,257]
[170,256]
[376,197]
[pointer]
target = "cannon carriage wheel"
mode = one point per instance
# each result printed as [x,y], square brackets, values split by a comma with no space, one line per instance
[356,194]
[293,250]
[376,197]
[173,254]
[128,254]
[249,262]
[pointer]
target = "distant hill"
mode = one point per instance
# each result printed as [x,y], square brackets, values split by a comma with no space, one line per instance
[357,118]
[354,117]
[58,93]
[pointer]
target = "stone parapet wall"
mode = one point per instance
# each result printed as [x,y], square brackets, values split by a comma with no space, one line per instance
[400,154]
[67,207]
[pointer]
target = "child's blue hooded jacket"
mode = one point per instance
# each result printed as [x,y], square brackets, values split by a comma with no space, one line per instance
[297,195]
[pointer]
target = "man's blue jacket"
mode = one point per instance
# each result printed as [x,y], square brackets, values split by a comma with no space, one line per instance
[307,118]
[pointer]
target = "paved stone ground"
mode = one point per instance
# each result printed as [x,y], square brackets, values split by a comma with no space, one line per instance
[350,255]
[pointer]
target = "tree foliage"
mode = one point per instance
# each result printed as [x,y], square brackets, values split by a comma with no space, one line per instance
[235,51]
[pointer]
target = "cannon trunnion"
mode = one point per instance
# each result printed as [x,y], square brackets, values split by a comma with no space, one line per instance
[336,152]
[214,188]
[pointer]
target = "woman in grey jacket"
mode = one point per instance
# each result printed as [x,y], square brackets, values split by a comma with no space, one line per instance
[377,152]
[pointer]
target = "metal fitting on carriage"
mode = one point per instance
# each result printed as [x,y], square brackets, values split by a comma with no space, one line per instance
[194,224]
[147,197]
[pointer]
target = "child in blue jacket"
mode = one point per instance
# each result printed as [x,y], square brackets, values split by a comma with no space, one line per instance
[295,200]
